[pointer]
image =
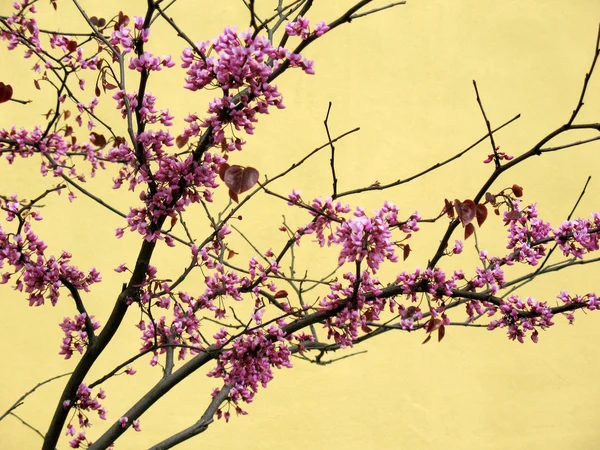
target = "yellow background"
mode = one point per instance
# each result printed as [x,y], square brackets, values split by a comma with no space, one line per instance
[405,77]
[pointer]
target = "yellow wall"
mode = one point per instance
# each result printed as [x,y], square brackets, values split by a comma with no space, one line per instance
[405,77]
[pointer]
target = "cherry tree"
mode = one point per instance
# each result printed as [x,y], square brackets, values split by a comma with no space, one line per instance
[231,314]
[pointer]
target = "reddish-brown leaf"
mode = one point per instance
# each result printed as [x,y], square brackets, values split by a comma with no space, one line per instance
[97,91]
[67,114]
[98,139]
[433,325]
[233,196]
[181,140]
[6,92]
[517,190]
[426,339]
[441,333]
[409,312]
[406,251]
[68,131]
[481,213]
[72,46]
[469,230]
[222,170]
[239,179]
[491,198]
[448,208]
[36,83]
[465,211]
[231,253]
[281,294]
[513,215]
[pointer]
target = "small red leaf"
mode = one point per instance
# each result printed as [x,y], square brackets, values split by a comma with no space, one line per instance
[181,140]
[513,215]
[517,190]
[231,253]
[365,328]
[469,230]
[222,170]
[97,91]
[281,294]
[239,179]
[233,196]
[406,251]
[109,86]
[448,208]
[441,333]
[465,211]
[98,139]
[490,198]
[481,213]
[409,312]
[433,325]
[6,92]
[68,131]
[173,221]
[36,83]
[426,339]
[67,114]
[72,46]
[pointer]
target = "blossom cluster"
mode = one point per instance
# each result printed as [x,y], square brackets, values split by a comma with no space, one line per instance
[84,402]
[36,274]
[242,67]
[23,27]
[300,27]
[76,335]
[248,363]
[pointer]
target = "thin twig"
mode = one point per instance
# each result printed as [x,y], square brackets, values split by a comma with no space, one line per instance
[487,124]
[332,159]
[19,402]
